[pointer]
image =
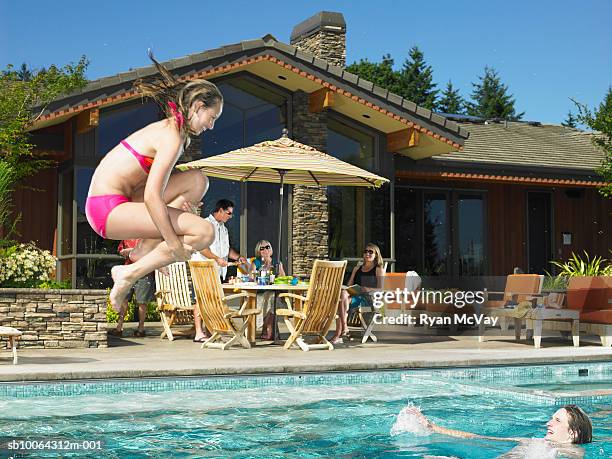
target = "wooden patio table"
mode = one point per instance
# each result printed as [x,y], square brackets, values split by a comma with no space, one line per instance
[538,315]
[253,287]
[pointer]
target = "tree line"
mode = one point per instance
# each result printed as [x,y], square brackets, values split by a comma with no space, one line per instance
[490,98]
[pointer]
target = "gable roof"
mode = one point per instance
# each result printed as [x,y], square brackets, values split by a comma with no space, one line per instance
[313,73]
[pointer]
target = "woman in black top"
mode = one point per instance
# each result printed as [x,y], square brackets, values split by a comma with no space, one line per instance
[368,275]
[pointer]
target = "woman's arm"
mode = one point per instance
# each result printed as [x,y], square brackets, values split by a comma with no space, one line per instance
[451,432]
[352,278]
[281,270]
[168,150]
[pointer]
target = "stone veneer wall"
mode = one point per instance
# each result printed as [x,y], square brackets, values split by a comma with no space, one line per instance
[309,208]
[55,318]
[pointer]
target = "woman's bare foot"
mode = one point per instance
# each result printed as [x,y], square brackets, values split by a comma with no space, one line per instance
[121,287]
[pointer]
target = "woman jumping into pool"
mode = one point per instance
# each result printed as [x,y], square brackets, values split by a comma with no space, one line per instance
[135,193]
[568,426]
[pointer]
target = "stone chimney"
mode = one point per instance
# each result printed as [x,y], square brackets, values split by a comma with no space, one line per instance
[323,35]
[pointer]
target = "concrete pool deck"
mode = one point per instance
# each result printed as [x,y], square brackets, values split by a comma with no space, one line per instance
[131,357]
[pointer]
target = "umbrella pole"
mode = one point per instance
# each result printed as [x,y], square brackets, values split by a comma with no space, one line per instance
[282,173]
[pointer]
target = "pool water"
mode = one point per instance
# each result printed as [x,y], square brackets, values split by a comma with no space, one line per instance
[309,416]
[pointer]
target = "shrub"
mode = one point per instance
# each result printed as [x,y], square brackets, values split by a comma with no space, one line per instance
[576,266]
[25,266]
[112,316]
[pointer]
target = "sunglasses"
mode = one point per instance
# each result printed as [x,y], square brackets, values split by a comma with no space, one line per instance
[228,212]
[265,247]
[368,251]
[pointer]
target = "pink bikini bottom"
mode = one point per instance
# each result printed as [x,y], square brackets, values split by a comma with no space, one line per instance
[97,209]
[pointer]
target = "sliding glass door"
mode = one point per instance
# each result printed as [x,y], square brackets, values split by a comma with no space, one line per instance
[440,232]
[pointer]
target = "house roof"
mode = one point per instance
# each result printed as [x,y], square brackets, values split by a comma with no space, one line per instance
[525,152]
[528,144]
[301,71]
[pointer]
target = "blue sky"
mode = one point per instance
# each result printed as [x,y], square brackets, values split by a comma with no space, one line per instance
[545,51]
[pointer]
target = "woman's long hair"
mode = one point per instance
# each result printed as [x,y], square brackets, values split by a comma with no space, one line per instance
[175,98]
[378,258]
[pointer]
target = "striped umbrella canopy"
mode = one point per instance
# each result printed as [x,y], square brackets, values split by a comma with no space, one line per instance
[284,161]
[287,161]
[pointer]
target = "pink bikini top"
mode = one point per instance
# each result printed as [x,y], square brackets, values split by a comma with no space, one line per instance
[145,161]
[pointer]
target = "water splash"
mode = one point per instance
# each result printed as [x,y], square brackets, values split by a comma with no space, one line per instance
[411,420]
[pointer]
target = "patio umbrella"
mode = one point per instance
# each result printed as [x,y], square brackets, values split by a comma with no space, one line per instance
[284,161]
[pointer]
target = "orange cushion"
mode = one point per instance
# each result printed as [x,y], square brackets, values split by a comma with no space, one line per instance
[587,293]
[522,285]
[603,316]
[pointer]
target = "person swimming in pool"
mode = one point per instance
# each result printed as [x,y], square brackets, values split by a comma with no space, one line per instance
[568,426]
[135,192]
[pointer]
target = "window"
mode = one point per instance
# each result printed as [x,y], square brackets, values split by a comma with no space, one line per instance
[357,215]
[252,113]
[440,232]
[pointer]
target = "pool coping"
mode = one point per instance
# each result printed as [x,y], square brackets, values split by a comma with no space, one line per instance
[264,368]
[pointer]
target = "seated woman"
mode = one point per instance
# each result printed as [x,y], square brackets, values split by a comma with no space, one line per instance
[263,258]
[369,276]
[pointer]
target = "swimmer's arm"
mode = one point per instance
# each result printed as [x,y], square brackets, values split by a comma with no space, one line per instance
[461,434]
[168,150]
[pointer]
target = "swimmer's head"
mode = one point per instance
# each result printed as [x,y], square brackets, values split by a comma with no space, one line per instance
[569,425]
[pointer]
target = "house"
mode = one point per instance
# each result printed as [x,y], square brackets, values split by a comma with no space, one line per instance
[463,198]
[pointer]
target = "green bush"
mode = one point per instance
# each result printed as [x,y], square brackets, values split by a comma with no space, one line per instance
[576,266]
[51,284]
[152,312]
[112,316]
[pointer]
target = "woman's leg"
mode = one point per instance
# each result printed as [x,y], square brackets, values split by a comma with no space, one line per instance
[185,186]
[341,325]
[132,220]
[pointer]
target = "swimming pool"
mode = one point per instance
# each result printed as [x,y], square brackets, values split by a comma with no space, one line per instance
[310,415]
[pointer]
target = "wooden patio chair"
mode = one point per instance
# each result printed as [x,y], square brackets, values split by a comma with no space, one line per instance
[13,336]
[216,314]
[318,307]
[174,301]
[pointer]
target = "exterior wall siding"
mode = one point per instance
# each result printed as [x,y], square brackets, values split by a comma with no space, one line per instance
[588,216]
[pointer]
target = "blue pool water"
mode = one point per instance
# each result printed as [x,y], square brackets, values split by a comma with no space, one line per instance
[330,415]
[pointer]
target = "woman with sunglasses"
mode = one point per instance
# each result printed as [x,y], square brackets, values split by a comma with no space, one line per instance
[368,275]
[263,258]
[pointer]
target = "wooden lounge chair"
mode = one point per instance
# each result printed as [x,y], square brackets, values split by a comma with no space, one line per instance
[318,307]
[174,301]
[13,336]
[217,316]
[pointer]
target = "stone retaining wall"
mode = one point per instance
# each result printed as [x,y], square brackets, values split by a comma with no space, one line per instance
[55,318]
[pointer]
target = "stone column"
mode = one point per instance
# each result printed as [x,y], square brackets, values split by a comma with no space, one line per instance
[309,208]
[323,35]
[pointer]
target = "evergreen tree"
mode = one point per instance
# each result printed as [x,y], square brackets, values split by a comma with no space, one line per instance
[601,122]
[417,85]
[571,121]
[381,74]
[451,101]
[24,73]
[490,98]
